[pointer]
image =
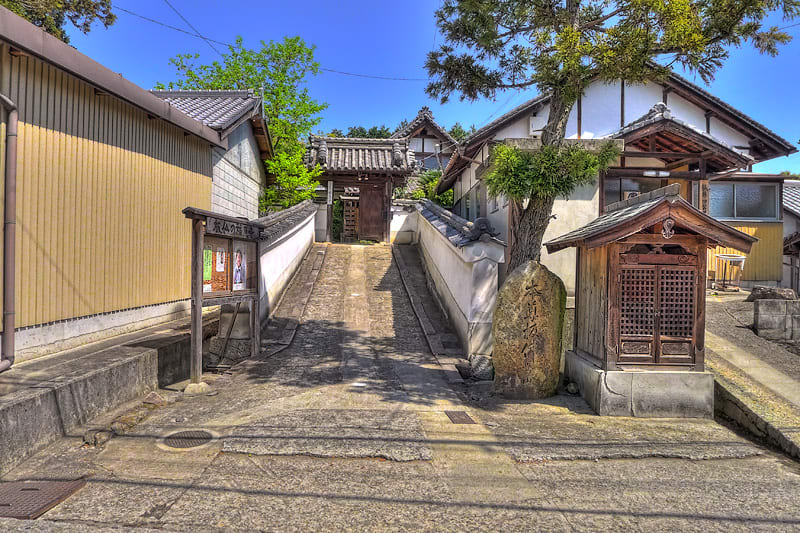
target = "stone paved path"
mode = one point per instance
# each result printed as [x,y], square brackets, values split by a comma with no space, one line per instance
[345,429]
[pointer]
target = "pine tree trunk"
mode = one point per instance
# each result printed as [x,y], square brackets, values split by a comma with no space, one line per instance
[529,224]
[529,231]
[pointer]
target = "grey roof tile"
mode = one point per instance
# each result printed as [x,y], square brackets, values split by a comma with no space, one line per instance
[215,109]
[791,198]
[424,115]
[338,154]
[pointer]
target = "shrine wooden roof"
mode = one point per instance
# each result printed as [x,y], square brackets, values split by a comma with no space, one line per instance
[637,214]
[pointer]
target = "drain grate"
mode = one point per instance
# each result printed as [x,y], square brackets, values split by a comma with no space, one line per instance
[188,439]
[27,500]
[459,417]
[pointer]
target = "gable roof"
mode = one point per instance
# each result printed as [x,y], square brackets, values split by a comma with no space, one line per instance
[630,216]
[791,197]
[223,111]
[29,39]
[216,109]
[660,117]
[344,155]
[692,92]
[424,119]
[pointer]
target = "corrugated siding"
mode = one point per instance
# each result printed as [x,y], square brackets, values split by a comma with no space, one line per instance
[764,262]
[100,188]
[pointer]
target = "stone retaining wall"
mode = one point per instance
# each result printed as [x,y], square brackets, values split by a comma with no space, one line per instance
[777,319]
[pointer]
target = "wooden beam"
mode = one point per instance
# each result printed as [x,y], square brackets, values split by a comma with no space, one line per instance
[666,155]
[630,172]
[196,352]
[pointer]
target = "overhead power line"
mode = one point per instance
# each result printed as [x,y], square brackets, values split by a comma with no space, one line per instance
[209,40]
[192,27]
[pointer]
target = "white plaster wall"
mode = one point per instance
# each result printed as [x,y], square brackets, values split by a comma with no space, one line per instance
[238,175]
[600,109]
[581,208]
[686,111]
[729,135]
[279,262]
[403,227]
[321,222]
[640,98]
[538,122]
[456,272]
[416,144]
[518,129]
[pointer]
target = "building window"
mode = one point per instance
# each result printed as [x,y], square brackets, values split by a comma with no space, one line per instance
[617,189]
[748,201]
[466,206]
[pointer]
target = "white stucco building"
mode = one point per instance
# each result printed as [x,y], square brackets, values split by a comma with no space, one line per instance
[674,131]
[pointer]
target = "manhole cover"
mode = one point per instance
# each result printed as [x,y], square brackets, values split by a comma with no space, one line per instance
[27,500]
[188,439]
[459,417]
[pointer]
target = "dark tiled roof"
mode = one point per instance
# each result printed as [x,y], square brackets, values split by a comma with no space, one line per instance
[628,210]
[791,198]
[425,116]
[459,231]
[680,80]
[349,155]
[530,105]
[660,112]
[216,109]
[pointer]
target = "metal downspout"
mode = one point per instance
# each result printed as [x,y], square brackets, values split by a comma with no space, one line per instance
[9,233]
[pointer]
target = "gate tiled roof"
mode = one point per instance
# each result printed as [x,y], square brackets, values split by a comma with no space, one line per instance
[349,155]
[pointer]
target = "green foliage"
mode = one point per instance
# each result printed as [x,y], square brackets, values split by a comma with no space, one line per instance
[550,172]
[52,15]
[279,69]
[426,188]
[375,132]
[459,133]
[337,222]
[294,182]
[403,124]
[336,132]
[490,45]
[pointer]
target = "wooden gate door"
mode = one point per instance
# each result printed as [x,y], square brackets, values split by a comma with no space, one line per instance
[370,212]
[657,314]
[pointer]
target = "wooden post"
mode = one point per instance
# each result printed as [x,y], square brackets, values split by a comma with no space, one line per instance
[196,357]
[329,224]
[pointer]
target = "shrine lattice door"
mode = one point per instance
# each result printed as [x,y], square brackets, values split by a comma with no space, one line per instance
[657,311]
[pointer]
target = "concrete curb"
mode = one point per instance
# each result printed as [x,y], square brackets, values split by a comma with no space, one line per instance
[32,418]
[447,361]
[42,412]
[761,412]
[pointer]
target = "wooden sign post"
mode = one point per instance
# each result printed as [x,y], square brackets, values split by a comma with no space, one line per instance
[218,282]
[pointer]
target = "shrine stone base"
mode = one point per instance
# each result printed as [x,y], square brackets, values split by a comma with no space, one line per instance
[646,394]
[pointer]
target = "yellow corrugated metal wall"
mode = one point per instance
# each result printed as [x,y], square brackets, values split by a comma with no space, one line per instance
[764,262]
[100,188]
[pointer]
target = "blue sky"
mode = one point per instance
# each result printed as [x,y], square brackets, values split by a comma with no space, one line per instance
[389,38]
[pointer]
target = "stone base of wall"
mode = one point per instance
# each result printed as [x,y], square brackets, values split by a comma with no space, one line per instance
[777,319]
[645,394]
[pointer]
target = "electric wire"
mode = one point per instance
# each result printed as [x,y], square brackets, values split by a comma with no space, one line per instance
[209,40]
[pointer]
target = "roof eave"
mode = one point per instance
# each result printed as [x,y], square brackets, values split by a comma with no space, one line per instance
[25,36]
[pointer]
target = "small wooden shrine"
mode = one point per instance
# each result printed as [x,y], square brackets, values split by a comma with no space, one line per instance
[641,282]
